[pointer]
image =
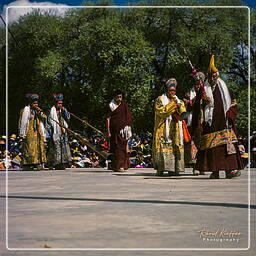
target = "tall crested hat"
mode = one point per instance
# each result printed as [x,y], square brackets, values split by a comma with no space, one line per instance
[58,96]
[32,97]
[212,68]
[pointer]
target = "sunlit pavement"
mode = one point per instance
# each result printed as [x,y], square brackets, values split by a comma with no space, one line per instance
[131,213]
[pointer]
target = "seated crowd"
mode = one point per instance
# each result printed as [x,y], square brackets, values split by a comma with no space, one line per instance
[82,156]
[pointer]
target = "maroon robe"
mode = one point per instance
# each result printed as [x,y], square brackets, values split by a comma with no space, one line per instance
[216,159]
[119,118]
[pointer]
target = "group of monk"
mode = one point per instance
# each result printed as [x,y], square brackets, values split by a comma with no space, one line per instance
[205,118]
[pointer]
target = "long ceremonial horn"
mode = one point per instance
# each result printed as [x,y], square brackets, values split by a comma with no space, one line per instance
[83,140]
[86,122]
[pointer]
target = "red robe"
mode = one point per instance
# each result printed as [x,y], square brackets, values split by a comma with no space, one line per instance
[216,159]
[119,118]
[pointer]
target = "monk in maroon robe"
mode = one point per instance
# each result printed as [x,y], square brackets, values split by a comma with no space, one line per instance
[119,131]
[215,110]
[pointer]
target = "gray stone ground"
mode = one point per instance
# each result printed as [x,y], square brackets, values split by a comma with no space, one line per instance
[134,211]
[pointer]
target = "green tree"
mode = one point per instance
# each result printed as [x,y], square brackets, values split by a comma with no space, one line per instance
[87,53]
[242,121]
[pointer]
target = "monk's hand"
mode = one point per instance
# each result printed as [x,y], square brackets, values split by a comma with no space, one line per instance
[232,105]
[23,139]
[109,134]
[177,101]
[39,110]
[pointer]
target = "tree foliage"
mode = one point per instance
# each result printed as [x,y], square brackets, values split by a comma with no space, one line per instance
[244,111]
[87,53]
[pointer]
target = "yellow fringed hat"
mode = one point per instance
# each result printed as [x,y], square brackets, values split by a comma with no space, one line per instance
[212,68]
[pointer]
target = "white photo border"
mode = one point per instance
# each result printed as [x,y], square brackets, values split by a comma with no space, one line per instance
[133,249]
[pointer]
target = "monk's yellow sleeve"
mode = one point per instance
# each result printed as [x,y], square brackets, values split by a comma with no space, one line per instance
[182,108]
[164,111]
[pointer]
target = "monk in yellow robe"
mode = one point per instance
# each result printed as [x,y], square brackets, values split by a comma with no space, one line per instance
[168,146]
[32,133]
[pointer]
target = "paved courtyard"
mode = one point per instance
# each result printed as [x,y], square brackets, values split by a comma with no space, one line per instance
[99,212]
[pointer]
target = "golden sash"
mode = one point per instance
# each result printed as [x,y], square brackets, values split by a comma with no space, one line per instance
[218,138]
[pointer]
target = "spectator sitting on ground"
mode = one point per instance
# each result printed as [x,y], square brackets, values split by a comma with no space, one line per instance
[87,162]
[140,161]
[15,159]
[148,135]
[7,159]
[83,149]
[74,146]
[13,142]
[137,143]
[76,162]
[132,140]
[95,160]
[242,151]
[145,148]
[104,145]
[142,135]
[2,144]
[2,159]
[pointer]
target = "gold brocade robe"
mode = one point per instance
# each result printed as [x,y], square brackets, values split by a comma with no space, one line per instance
[33,145]
[168,155]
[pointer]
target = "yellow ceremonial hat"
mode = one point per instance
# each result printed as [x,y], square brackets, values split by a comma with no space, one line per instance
[212,68]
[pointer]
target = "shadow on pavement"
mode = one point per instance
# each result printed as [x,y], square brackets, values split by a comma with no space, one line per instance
[133,174]
[98,171]
[153,176]
[132,201]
